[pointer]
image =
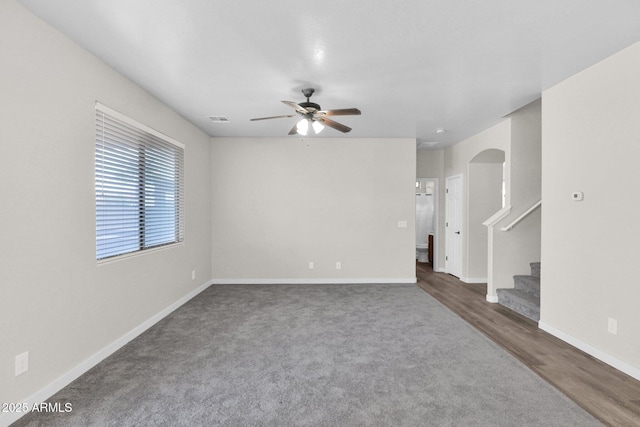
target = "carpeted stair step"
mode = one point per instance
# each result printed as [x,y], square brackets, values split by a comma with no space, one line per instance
[528,284]
[535,269]
[521,302]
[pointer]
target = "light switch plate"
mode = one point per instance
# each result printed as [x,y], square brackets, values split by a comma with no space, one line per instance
[612,326]
[22,363]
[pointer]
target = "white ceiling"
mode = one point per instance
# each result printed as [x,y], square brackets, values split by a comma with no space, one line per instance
[410,66]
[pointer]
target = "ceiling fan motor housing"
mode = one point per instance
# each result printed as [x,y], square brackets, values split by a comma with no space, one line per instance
[310,106]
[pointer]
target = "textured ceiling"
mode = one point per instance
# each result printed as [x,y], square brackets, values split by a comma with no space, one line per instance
[411,66]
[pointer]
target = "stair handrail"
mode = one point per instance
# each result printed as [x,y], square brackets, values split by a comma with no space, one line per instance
[523,216]
[497,217]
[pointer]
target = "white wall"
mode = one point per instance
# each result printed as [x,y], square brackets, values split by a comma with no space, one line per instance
[591,143]
[485,199]
[514,250]
[457,160]
[56,302]
[526,156]
[280,203]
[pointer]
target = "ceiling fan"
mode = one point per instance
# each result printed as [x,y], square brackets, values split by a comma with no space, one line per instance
[313,116]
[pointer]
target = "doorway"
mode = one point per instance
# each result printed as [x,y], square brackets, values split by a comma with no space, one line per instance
[427,220]
[485,196]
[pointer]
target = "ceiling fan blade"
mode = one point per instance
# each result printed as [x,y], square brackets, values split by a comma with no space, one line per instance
[294,130]
[272,117]
[342,112]
[334,124]
[300,109]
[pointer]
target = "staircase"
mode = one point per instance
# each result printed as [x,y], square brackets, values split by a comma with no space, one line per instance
[525,297]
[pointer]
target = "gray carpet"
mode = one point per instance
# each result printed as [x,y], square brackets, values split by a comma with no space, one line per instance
[318,355]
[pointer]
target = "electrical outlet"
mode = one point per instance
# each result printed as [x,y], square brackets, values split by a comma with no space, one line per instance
[612,326]
[338,265]
[193,275]
[310,265]
[402,224]
[22,363]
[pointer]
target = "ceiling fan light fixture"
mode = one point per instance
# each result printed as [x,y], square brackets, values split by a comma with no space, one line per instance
[303,127]
[317,126]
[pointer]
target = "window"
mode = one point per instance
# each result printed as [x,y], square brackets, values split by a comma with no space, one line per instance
[139,186]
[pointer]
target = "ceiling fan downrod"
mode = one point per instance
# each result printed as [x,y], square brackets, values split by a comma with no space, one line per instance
[309,105]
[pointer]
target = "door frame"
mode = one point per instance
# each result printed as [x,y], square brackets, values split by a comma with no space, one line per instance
[447,263]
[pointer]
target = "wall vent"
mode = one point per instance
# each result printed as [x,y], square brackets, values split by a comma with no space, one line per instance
[427,144]
[219,119]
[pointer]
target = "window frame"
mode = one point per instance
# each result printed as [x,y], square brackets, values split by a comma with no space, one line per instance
[148,142]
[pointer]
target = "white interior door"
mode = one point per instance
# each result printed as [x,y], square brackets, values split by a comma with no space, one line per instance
[453,226]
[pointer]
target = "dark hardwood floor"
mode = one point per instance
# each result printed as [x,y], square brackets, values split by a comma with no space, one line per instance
[608,394]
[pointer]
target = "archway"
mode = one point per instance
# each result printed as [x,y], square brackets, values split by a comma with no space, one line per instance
[486,196]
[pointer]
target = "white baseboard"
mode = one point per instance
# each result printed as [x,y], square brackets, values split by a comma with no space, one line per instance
[65,379]
[309,281]
[589,349]
[492,298]
[473,279]
[439,270]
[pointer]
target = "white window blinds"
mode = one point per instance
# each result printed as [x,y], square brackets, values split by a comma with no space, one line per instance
[139,186]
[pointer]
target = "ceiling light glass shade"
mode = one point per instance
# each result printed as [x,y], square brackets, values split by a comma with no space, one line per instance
[303,127]
[317,127]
